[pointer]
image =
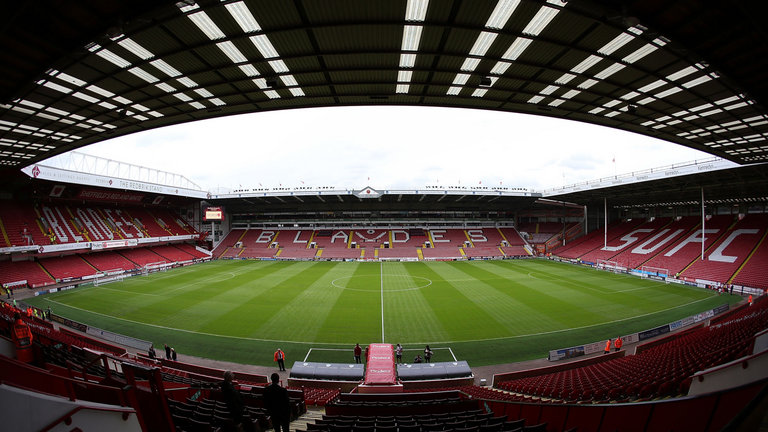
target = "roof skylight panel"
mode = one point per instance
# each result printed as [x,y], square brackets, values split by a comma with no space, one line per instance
[586,63]
[610,70]
[652,86]
[197,105]
[100,91]
[217,101]
[618,42]
[54,86]
[479,92]
[265,47]
[565,79]
[668,92]
[182,97]
[69,79]
[206,25]
[556,102]
[243,16]
[542,18]
[113,58]
[165,68]
[141,73]
[501,13]
[587,84]
[535,99]
[279,66]
[85,97]
[135,48]
[204,93]
[497,20]
[411,38]
[165,87]
[697,81]
[272,94]
[513,52]
[416,11]
[682,73]
[187,82]
[231,51]
[470,64]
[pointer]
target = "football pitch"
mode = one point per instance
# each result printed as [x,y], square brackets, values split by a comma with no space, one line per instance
[485,312]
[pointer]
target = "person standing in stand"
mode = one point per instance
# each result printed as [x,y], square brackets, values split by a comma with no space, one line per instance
[278,404]
[399,353]
[358,351]
[427,354]
[22,339]
[617,344]
[280,359]
[607,347]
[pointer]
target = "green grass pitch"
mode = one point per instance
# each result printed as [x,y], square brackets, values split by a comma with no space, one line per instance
[486,312]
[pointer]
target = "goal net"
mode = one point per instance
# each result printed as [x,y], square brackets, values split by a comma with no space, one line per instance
[154,267]
[654,271]
[109,276]
[609,266]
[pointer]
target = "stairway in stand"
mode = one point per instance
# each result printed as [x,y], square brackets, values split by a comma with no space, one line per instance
[313,413]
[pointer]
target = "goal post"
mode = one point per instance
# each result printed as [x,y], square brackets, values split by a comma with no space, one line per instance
[609,266]
[654,271]
[154,267]
[108,276]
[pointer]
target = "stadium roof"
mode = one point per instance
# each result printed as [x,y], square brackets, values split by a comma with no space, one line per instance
[690,72]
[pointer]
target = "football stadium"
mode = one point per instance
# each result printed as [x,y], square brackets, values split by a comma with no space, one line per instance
[135,300]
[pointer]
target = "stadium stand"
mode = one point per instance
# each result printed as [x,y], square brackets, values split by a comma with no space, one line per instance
[105,261]
[142,256]
[679,255]
[29,270]
[752,272]
[732,249]
[172,253]
[68,267]
[640,252]
[19,226]
[447,238]
[192,250]
[658,369]
[625,240]
[595,239]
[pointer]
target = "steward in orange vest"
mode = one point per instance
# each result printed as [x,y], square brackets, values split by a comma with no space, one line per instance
[280,359]
[617,344]
[22,339]
[607,347]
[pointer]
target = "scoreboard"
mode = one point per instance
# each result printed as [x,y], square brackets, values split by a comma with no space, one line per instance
[213,214]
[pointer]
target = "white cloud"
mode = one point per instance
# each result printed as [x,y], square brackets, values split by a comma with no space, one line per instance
[397,147]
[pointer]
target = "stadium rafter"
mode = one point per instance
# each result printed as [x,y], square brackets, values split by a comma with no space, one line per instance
[78,74]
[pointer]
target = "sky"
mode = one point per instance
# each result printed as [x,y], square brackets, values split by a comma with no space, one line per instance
[390,147]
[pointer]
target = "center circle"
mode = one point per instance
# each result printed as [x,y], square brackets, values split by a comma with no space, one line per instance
[373,282]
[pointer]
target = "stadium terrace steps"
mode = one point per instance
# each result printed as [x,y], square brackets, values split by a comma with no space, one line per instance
[447,238]
[172,253]
[755,268]
[105,261]
[638,253]
[68,267]
[142,256]
[726,255]
[595,239]
[663,369]
[19,218]
[30,271]
[681,254]
[615,246]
